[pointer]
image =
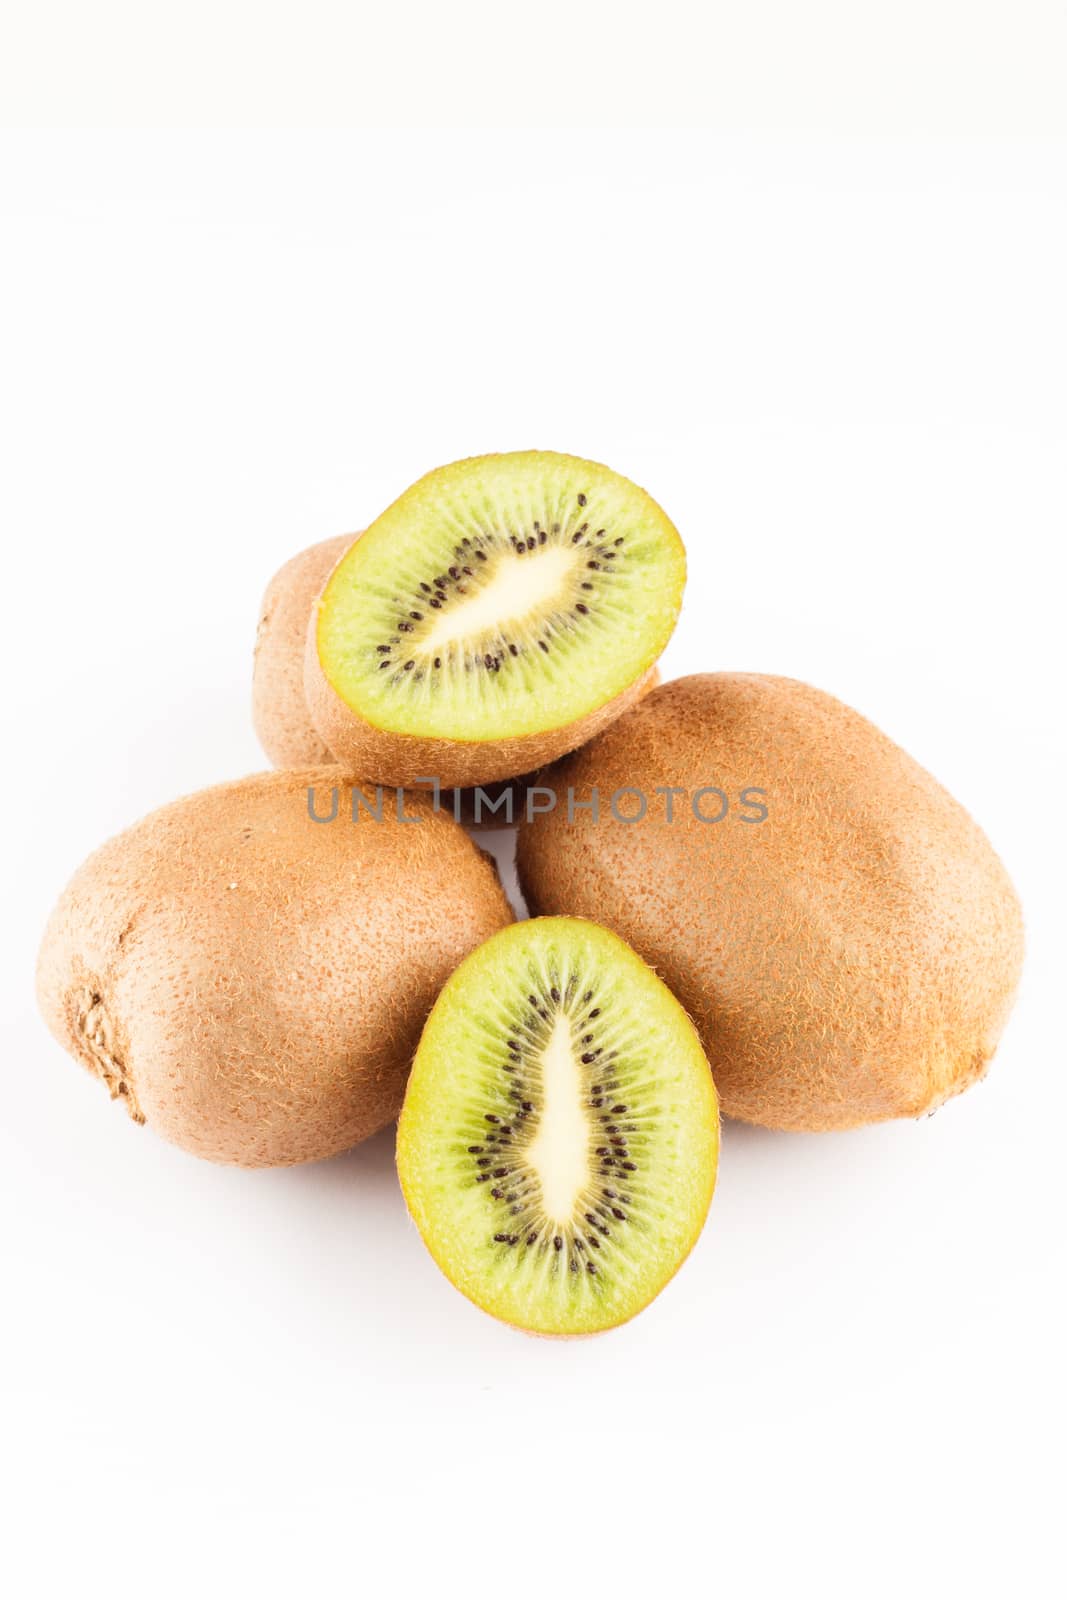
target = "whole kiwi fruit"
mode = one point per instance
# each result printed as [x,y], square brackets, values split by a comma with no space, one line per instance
[840,930]
[251,982]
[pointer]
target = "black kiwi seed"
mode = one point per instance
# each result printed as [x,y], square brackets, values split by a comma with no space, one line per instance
[383,649]
[557,1243]
[577,539]
[416,616]
[543,645]
[437,661]
[581,500]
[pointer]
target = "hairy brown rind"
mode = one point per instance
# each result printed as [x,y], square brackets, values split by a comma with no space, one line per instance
[252,983]
[851,958]
[279,705]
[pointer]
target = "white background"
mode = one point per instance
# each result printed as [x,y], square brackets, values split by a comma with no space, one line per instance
[823,319]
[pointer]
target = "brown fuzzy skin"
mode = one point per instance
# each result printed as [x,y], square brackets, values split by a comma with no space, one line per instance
[253,983]
[853,957]
[279,705]
[401,759]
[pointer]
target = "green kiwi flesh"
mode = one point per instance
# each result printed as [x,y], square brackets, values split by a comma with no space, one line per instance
[501,597]
[558,1142]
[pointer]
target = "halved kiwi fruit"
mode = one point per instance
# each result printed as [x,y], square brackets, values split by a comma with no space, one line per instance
[559,1138]
[501,612]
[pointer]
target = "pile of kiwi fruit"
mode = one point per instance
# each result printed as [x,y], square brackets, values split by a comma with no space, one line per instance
[742,894]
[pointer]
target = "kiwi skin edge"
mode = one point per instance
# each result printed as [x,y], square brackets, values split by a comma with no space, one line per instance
[401,759]
[279,705]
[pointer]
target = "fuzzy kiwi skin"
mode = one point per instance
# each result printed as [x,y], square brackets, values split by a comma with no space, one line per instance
[252,984]
[279,705]
[852,958]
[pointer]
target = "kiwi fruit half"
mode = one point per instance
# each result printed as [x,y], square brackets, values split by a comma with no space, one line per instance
[252,983]
[559,1138]
[279,704]
[501,612]
[838,927]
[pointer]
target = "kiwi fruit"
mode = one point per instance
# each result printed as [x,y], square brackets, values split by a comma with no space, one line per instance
[279,705]
[251,982]
[838,927]
[501,612]
[558,1142]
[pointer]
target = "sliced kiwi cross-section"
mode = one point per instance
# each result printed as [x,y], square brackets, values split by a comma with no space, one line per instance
[559,1137]
[499,613]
